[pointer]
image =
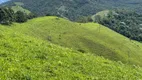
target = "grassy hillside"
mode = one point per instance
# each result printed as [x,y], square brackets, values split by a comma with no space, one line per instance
[24,57]
[89,37]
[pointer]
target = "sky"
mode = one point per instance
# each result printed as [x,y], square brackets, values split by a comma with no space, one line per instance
[2,1]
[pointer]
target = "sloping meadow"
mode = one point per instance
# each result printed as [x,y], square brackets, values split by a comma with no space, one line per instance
[84,37]
[24,57]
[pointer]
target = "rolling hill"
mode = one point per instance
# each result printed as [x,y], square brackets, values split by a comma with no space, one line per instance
[25,56]
[84,37]
[73,9]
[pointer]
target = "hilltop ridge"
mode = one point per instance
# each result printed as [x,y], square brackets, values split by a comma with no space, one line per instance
[73,9]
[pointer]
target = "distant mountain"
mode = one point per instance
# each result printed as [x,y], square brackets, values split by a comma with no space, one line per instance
[73,9]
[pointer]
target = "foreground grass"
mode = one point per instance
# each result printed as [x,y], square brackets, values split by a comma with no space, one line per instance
[88,37]
[24,57]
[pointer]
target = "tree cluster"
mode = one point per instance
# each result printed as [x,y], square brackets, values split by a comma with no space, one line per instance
[7,16]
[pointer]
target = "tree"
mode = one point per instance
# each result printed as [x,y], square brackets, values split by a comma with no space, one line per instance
[21,17]
[6,16]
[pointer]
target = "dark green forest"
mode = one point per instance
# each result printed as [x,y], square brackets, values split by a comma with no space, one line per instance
[125,22]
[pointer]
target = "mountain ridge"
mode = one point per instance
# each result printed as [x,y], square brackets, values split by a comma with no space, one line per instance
[75,8]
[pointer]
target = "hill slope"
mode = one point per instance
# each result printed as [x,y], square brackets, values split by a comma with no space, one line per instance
[27,58]
[89,37]
[72,9]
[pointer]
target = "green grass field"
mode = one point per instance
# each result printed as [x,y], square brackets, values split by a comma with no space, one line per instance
[84,37]
[27,57]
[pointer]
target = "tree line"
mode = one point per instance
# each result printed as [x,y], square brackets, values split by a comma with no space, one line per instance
[7,16]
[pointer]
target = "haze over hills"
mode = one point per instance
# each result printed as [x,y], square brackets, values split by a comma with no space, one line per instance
[73,9]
